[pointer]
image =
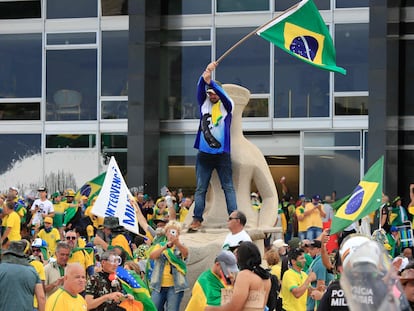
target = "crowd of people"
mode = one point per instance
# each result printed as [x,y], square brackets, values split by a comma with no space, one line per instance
[93,263]
[58,256]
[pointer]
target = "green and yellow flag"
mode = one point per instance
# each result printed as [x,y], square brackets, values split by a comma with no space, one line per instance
[91,188]
[365,198]
[301,32]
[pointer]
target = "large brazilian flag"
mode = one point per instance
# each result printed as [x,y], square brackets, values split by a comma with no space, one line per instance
[365,199]
[301,32]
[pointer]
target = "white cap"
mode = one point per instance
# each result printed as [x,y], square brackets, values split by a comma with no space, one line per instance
[279,243]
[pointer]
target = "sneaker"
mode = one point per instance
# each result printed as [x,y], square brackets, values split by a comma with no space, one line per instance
[195,225]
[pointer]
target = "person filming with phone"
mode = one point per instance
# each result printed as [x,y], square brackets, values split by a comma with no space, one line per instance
[169,276]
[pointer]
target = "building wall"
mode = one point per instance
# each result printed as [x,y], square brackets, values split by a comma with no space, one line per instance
[136,76]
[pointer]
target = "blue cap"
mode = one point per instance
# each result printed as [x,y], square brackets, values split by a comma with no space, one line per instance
[316,197]
[394,229]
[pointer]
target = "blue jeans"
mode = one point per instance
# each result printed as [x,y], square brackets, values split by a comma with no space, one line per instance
[302,235]
[168,296]
[313,233]
[205,165]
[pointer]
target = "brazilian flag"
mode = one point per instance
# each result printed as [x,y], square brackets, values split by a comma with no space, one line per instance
[301,32]
[91,188]
[365,199]
[133,285]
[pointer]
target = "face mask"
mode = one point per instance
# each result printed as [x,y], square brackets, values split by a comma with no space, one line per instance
[299,264]
[48,230]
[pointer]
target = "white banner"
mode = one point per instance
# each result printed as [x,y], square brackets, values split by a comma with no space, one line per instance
[113,199]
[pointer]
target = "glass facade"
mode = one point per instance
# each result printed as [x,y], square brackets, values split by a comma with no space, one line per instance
[301,91]
[247,65]
[72,95]
[180,73]
[242,5]
[65,75]
[71,8]
[332,162]
[20,156]
[21,65]
[351,42]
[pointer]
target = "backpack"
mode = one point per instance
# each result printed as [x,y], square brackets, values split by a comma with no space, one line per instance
[274,302]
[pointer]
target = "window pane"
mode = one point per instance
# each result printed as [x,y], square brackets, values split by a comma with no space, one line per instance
[20,151]
[242,5]
[188,35]
[334,139]
[21,65]
[114,110]
[406,138]
[253,54]
[72,8]
[257,107]
[71,85]
[301,90]
[114,63]
[282,5]
[19,111]
[70,141]
[351,43]
[180,7]
[20,9]
[71,38]
[115,145]
[351,105]
[331,170]
[352,3]
[183,67]
[111,141]
[114,7]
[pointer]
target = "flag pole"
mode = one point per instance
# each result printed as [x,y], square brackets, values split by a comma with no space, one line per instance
[253,32]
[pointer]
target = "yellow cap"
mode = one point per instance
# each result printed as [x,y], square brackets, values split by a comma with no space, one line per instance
[48,220]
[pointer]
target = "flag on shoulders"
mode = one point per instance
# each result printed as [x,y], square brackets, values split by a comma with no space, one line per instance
[301,32]
[365,199]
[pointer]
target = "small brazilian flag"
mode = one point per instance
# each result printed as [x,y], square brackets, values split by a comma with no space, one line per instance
[301,32]
[91,188]
[365,199]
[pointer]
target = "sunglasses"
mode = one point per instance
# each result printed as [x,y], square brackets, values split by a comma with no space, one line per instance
[71,238]
[35,250]
[231,218]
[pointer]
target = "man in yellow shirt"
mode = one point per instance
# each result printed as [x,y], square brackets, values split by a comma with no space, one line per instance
[79,254]
[49,234]
[11,224]
[295,283]
[314,212]
[67,298]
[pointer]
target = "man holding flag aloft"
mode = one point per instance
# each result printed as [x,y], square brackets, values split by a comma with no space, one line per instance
[213,143]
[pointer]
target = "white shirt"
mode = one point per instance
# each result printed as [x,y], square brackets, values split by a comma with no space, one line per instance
[45,208]
[233,240]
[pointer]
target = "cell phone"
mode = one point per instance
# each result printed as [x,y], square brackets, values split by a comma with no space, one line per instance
[328,231]
[173,232]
